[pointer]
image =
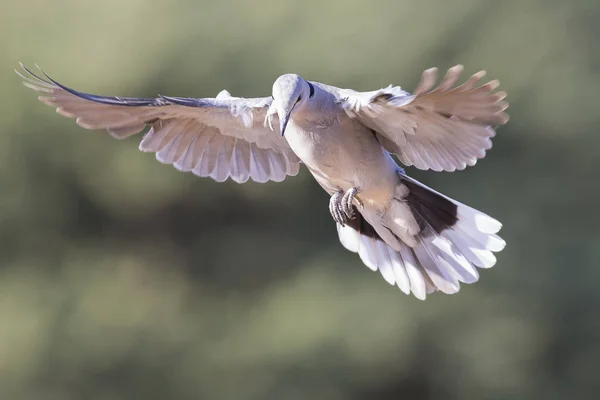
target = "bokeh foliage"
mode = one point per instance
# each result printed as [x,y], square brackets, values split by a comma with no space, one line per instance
[122,278]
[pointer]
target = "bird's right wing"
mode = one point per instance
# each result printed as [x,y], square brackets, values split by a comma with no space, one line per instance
[443,128]
[218,137]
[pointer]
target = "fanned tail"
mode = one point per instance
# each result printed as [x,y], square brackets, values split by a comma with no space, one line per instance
[451,242]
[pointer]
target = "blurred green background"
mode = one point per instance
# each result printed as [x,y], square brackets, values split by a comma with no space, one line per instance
[121,278]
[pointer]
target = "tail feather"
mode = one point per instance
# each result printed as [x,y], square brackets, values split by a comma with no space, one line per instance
[453,242]
[441,277]
[369,253]
[400,272]
[419,285]
[473,251]
[455,260]
[387,267]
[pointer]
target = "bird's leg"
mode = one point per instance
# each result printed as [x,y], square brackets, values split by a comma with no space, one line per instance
[335,208]
[347,202]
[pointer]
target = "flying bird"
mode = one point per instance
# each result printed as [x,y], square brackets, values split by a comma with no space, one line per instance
[419,239]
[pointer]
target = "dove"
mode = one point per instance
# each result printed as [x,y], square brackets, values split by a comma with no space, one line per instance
[418,239]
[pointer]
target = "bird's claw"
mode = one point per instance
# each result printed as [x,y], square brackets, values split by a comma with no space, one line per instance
[341,207]
[347,202]
[335,208]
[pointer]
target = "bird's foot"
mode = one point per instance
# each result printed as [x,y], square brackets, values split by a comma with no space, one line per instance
[341,207]
[335,208]
[347,202]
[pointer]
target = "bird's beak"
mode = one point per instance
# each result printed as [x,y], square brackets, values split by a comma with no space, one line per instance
[283,121]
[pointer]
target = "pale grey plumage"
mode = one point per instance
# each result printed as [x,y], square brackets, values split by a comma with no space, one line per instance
[418,239]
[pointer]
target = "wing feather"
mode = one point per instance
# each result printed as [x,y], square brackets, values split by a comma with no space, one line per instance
[442,128]
[217,137]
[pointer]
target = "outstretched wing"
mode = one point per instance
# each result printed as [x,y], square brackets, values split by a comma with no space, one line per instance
[443,129]
[218,137]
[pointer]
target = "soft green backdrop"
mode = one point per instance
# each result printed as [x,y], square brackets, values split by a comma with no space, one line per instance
[121,278]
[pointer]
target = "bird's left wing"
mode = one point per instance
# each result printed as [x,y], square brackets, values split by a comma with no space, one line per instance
[218,137]
[443,128]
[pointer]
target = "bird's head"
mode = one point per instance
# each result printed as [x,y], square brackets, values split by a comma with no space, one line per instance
[290,94]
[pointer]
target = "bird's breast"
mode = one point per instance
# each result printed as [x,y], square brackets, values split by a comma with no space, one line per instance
[342,153]
[315,144]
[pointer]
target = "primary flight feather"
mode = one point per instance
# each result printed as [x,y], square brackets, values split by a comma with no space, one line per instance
[419,239]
